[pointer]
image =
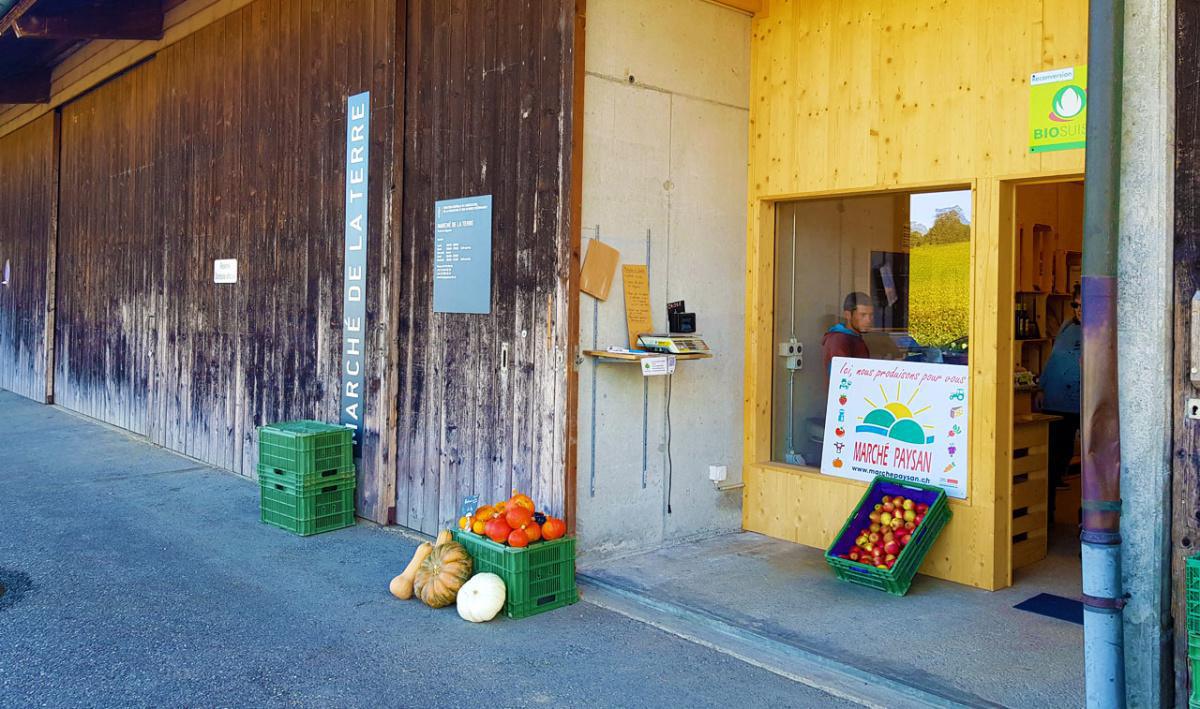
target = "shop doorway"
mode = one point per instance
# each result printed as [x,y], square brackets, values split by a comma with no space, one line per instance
[1046,343]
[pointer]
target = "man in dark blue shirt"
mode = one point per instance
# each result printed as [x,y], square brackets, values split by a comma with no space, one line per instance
[1060,396]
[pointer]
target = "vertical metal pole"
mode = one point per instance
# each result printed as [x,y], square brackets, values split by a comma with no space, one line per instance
[1104,659]
[595,367]
[646,395]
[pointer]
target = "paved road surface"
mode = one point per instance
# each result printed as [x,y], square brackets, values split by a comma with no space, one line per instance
[137,577]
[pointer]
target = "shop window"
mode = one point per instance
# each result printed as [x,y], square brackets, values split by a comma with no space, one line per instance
[901,261]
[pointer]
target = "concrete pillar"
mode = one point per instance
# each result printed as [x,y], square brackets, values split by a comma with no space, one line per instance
[1145,324]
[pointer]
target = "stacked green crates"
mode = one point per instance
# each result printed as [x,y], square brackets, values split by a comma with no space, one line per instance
[306,476]
[1193,626]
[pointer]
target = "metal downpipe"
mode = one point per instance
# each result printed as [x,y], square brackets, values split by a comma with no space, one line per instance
[1103,600]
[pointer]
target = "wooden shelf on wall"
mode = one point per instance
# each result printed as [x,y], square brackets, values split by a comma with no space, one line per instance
[635,357]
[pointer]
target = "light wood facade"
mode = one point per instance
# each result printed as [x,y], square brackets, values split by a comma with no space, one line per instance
[855,97]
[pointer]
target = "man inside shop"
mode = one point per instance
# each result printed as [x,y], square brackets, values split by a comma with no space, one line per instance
[845,339]
[1060,397]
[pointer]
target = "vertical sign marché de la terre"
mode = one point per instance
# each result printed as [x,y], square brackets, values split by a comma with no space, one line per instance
[354,289]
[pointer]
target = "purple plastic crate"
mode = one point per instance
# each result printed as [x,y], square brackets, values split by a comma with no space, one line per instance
[862,519]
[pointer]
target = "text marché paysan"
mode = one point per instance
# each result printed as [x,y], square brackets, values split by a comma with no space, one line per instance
[912,459]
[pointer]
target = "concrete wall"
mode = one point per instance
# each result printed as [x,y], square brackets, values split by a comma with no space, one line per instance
[665,151]
[1144,326]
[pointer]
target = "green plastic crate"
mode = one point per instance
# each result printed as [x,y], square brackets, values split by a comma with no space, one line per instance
[305,513]
[305,447]
[1194,699]
[897,579]
[304,483]
[1192,577]
[537,578]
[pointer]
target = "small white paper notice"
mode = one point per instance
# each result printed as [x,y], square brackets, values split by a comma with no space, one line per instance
[658,366]
[225,270]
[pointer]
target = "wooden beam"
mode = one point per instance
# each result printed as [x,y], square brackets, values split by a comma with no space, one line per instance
[135,20]
[14,14]
[30,87]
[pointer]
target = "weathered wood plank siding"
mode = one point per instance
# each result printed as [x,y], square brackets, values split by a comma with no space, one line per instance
[228,144]
[26,201]
[1185,479]
[489,91]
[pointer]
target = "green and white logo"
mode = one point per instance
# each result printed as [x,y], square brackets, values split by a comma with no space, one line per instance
[1069,102]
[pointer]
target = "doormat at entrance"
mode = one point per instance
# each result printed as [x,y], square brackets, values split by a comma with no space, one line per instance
[1067,609]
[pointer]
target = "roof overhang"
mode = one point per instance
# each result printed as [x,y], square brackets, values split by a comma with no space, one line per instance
[36,35]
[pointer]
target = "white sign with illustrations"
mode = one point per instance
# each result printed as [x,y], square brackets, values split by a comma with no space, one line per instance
[905,420]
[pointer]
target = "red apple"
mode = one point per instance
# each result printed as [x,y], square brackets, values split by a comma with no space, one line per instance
[854,549]
[892,547]
[874,516]
[889,507]
[906,539]
[922,508]
[917,520]
[886,499]
[897,523]
[878,508]
[875,527]
[875,537]
[910,526]
[853,556]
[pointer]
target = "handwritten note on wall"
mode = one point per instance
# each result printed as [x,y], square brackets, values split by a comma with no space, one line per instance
[637,301]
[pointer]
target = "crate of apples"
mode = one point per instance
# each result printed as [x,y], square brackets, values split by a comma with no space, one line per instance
[893,522]
[514,522]
[888,534]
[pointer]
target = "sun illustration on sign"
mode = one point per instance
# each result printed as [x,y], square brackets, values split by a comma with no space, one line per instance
[895,420]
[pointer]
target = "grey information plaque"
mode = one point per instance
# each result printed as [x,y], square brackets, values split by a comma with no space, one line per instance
[462,256]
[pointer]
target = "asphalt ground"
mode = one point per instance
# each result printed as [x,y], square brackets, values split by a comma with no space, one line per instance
[137,577]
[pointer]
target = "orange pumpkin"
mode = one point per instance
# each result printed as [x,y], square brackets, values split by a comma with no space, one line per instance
[534,531]
[485,513]
[441,574]
[518,516]
[521,501]
[554,528]
[478,526]
[497,530]
[518,538]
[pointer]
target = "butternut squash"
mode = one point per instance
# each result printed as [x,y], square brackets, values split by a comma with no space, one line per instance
[402,586]
[442,537]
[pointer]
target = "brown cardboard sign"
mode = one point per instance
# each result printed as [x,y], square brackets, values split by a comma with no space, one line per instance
[636,279]
[599,267]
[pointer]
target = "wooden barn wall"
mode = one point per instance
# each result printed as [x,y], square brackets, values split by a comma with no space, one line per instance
[1185,479]
[489,90]
[229,143]
[26,210]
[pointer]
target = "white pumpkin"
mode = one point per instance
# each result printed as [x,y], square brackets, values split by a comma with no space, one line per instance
[481,598]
